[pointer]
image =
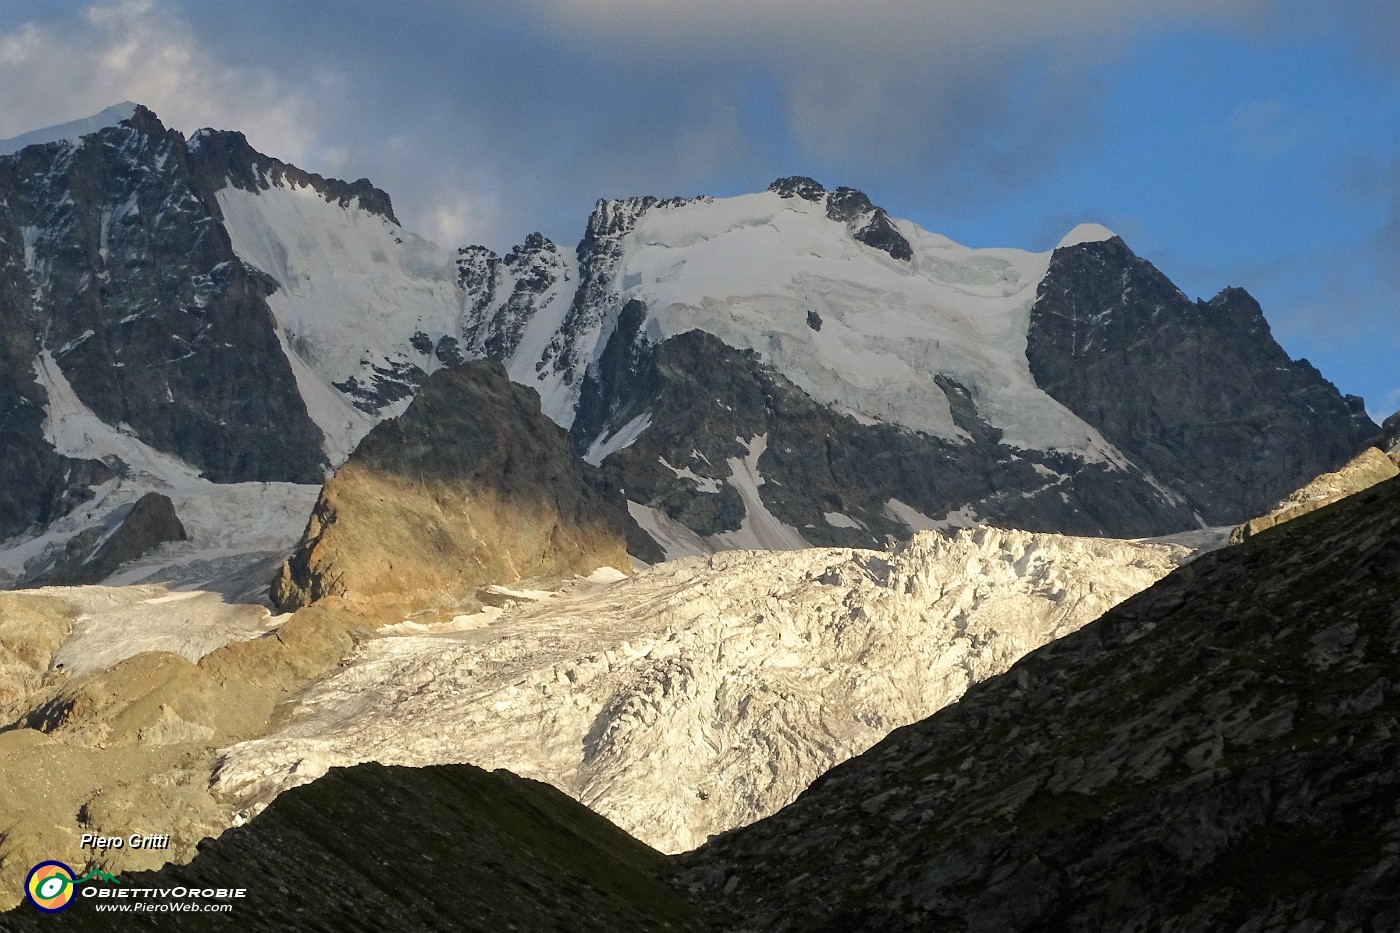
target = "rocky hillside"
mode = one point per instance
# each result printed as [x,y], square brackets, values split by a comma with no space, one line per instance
[445,848]
[470,486]
[1219,752]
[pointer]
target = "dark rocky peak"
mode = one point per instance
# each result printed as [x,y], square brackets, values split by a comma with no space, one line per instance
[1390,434]
[478,270]
[798,186]
[615,217]
[848,204]
[221,158]
[1240,308]
[144,120]
[506,294]
[113,259]
[868,224]
[534,244]
[1197,393]
[536,263]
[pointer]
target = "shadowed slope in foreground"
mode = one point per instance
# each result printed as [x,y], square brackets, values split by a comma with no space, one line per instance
[441,848]
[1220,752]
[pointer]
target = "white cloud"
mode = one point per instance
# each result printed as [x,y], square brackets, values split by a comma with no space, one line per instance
[142,50]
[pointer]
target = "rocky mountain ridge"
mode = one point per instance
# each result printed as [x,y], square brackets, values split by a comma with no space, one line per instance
[195,309]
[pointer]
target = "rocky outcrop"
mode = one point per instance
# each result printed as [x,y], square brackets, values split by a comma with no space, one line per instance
[31,629]
[94,554]
[470,486]
[1365,470]
[1219,752]
[1197,393]
[450,847]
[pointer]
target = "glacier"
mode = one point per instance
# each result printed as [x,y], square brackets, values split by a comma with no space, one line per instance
[704,693]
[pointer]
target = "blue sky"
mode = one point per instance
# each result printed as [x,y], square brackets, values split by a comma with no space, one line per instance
[1231,142]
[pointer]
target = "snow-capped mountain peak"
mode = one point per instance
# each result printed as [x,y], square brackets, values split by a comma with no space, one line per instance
[1086,233]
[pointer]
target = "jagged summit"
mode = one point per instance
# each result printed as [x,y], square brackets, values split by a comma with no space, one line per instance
[71,131]
[227,158]
[799,186]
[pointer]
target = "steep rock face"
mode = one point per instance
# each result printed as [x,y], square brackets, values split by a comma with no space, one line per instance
[451,847]
[701,694]
[1197,393]
[1390,434]
[470,486]
[1219,752]
[94,554]
[832,478]
[509,293]
[588,321]
[37,483]
[220,158]
[1363,471]
[115,263]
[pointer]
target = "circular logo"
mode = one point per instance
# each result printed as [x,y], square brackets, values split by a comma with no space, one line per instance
[49,887]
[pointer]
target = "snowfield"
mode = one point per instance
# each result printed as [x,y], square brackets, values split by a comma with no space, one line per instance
[750,270]
[354,288]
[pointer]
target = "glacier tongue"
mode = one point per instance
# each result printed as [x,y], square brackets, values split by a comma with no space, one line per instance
[234,528]
[705,693]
